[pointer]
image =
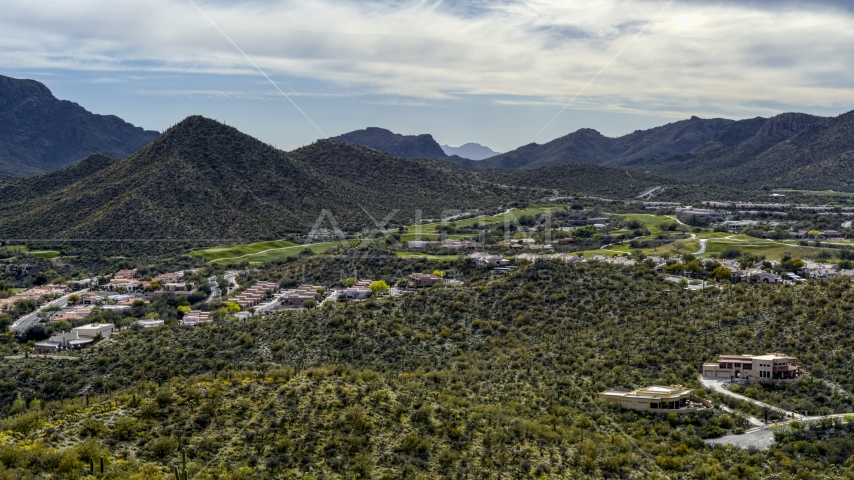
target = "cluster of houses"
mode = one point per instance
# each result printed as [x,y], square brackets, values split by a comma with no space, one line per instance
[76,339]
[820,271]
[128,281]
[256,294]
[35,293]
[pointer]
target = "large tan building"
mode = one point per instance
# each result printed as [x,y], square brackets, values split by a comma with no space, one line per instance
[672,399]
[771,367]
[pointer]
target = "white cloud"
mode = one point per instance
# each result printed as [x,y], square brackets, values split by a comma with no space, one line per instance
[701,56]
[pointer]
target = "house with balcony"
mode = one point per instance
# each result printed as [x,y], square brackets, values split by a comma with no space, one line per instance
[657,399]
[771,367]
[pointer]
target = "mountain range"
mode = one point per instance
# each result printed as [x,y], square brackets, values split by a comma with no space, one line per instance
[39,132]
[470,151]
[205,181]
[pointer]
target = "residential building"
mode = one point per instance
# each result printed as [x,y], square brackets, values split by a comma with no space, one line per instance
[125,274]
[817,271]
[771,367]
[195,317]
[755,275]
[172,277]
[303,294]
[71,340]
[22,269]
[657,399]
[541,248]
[359,291]
[150,323]
[255,295]
[93,329]
[72,316]
[125,284]
[90,298]
[487,260]
[424,280]
[831,235]
[176,287]
[45,347]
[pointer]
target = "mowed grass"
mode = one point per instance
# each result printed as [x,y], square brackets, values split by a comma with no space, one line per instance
[232,251]
[491,219]
[651,222]
[47,254]
[427,256]
[275,254]
[17,249]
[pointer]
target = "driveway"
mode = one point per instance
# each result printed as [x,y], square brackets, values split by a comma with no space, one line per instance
[716,384]
[760,438]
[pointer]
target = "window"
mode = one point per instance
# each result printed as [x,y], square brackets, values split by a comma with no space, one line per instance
[737,365]
[729,366]
[747,366]
[722,365]
[653,405]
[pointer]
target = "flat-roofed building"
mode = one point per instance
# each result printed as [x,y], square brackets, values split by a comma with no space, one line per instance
[657,399]
[150,323]
[771,367]
[93,329]
[45,347]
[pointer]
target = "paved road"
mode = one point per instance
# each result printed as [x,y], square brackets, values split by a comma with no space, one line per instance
[702,247]
[28,321]
[215,293]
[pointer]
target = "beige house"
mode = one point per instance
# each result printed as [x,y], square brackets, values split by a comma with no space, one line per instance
[424,280]
[359,291]
[657,399]
[771,367]
[93,329]
[303,294]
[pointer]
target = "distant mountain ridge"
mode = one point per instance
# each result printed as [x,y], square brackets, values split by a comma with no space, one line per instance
[589,146]
[394,144]
[39,132]
[470,151]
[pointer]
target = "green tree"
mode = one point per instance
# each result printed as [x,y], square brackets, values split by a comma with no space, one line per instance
[379,286]
[722,274]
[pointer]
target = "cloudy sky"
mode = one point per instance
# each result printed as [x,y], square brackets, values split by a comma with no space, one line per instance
[495,72]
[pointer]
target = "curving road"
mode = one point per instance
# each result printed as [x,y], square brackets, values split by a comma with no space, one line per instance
[28,321]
